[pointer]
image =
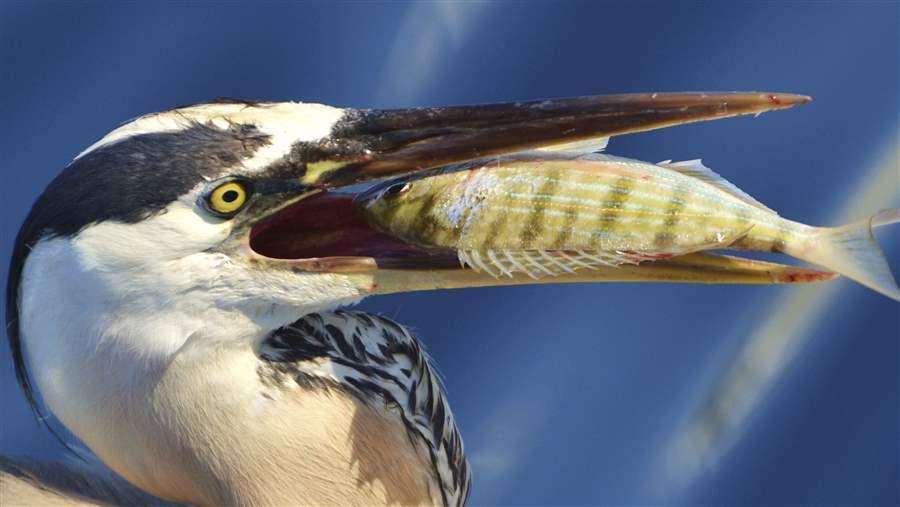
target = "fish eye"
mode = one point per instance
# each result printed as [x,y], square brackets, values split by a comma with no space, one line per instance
[396,189]
[228,198]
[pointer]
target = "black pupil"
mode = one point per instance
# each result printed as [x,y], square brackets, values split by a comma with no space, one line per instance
[230,195]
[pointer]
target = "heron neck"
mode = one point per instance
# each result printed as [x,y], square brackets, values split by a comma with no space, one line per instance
[98,351]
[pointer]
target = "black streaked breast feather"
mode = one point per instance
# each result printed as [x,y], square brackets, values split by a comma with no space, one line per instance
[388,366]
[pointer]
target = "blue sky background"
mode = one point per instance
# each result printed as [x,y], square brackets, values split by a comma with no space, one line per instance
[565,394]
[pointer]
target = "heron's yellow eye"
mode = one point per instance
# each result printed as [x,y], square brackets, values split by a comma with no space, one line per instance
[228,197]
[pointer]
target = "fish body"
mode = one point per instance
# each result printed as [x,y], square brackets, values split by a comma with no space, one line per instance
[544,214]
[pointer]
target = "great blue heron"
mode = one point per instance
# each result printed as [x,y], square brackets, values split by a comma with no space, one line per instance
[174,293]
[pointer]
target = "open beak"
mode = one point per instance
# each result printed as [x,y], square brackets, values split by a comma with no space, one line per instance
[323,232]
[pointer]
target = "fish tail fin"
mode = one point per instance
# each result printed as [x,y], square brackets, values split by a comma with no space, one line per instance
[852,251]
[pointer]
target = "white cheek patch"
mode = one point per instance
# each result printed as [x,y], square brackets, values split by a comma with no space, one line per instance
[285,122]
[179,230]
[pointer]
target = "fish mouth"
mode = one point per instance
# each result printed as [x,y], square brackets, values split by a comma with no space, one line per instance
[324,232]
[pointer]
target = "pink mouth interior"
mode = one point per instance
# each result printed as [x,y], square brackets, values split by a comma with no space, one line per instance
[329,225]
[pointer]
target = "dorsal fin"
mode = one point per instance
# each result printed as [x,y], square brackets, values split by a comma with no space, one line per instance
[595,145]
[696,169]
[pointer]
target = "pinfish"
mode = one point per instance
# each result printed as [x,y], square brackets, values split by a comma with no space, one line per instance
[548,213]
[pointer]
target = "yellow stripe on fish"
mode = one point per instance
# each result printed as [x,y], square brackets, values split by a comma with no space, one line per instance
[546,214]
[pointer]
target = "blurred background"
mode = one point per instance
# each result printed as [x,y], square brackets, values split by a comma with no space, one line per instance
[606,394]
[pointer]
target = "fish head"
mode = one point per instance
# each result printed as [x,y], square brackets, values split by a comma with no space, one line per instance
[416,208]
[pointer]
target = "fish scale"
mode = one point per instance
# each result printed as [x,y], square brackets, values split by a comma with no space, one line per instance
[555,211]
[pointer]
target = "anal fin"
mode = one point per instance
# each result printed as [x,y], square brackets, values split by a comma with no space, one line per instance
[540,263]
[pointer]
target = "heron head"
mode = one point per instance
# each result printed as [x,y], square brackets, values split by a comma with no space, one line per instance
[237,210]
